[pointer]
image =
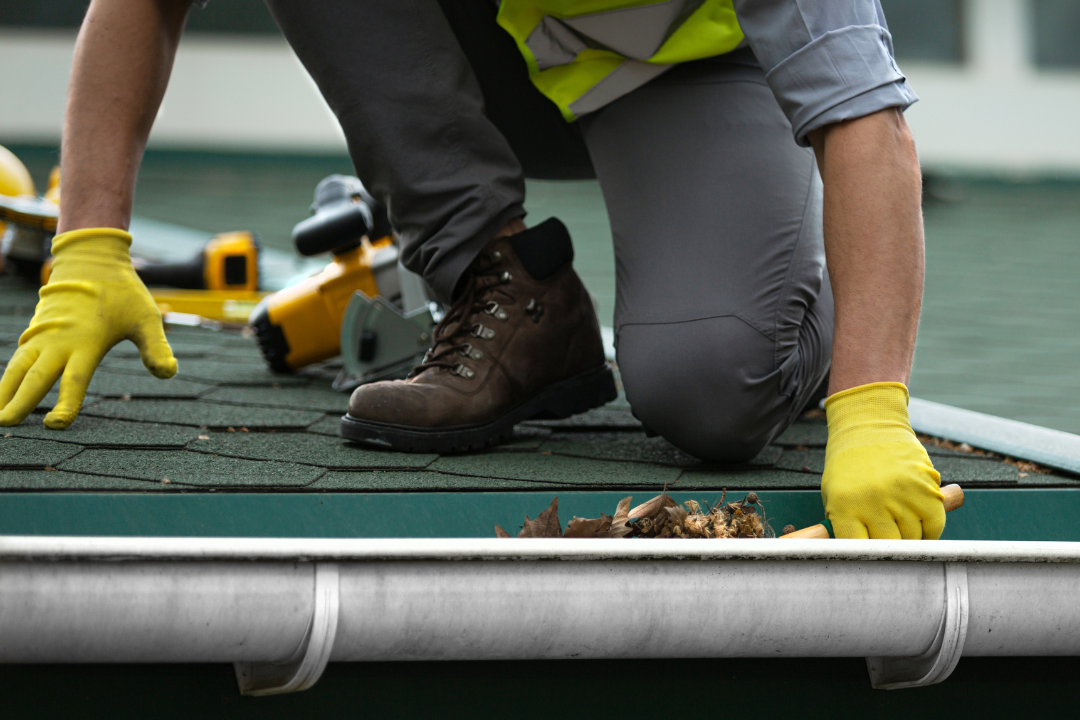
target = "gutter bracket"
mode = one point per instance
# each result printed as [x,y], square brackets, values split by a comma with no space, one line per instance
[938,662]
[306,665]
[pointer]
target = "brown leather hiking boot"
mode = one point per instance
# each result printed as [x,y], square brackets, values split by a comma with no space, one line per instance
[521,341]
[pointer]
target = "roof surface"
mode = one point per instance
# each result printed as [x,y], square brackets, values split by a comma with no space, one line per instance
[225,422]
[998,331]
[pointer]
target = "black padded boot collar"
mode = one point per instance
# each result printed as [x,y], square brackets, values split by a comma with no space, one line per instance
[543,249]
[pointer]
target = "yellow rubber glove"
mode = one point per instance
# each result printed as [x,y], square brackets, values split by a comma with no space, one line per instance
[93,300]
[879,481]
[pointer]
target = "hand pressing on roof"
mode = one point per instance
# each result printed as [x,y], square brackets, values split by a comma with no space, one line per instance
[879,481]
[93,300]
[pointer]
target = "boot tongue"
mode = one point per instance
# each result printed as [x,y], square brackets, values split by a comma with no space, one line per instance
[487,281]
[452,329]
[448,336]
[425,374]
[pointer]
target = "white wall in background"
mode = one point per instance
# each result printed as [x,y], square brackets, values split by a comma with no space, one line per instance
[995,113]
[234,93]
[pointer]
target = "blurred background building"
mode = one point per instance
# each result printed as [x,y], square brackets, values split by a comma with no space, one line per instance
[243,136]
[999,80]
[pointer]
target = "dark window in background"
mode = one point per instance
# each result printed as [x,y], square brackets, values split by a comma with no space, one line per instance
[927,29]
[1056,27]
[43,13]
[249,17]
[921,29]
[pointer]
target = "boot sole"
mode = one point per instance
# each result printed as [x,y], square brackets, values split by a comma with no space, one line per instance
[560,400]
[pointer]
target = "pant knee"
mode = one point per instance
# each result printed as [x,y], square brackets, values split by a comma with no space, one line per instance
[709,387]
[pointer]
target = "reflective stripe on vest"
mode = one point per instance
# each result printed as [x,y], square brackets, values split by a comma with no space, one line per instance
[582,54]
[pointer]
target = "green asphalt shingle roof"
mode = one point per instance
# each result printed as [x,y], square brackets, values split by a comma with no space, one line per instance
[227,423]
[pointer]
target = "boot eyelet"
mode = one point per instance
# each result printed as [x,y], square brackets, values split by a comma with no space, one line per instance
[535,310]
[495,311]
[463,371]
[495,256]
[469,351]
[484,333]
[506,277]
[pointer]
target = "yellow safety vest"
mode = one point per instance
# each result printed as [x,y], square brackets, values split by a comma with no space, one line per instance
[582,54]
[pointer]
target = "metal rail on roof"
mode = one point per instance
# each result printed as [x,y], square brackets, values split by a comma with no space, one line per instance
[281,609]
[1053,448]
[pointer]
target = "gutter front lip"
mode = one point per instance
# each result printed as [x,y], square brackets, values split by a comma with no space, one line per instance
[53,548]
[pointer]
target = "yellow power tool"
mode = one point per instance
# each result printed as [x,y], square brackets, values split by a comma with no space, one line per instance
[229,261]
[220,283]
[301,324]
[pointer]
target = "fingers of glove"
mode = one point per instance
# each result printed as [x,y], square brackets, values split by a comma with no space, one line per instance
[911,526]
[23,359]
[73,384]
[934,524]
[37,382]
[883,529]
[849,528]
[154,349]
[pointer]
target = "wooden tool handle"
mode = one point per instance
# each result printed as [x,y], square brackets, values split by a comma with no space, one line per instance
[954,498]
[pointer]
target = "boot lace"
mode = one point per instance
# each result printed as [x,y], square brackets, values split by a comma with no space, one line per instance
[484,293]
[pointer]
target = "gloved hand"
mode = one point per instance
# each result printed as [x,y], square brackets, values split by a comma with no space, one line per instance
[92,301]
[879,481]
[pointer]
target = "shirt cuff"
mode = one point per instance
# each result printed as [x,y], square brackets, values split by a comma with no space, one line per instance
[843,74]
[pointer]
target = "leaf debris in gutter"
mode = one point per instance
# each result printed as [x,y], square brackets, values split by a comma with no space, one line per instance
[660,517]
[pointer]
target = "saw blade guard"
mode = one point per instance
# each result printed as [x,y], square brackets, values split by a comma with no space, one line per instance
[379,341]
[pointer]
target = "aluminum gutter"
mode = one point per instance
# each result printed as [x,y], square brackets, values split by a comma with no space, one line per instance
[280,609]
[1053,448]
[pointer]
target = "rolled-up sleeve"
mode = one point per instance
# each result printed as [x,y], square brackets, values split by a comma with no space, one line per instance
[825,60]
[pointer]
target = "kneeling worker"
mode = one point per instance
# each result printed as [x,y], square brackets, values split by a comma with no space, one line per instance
[738,144]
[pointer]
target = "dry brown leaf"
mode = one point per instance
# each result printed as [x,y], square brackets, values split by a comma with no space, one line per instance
[546,524]
[588,528]
[499,532]
[677,516]
[676,513]
[620,524]
[652,508]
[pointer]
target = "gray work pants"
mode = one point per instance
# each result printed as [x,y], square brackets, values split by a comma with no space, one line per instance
[723,313]
[723,310]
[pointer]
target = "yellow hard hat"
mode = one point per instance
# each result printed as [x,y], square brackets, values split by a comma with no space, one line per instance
[14,177]
[14,180]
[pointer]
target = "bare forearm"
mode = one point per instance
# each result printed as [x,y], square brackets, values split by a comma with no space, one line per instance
[874,246]
[121,68]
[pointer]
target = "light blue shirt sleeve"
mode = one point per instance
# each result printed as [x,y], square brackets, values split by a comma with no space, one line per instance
[825,60]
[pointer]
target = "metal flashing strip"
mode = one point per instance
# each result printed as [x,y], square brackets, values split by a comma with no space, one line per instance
[36,548]
[1053,448]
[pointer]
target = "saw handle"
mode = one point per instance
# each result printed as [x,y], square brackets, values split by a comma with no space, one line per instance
[954,498]
[335,229]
